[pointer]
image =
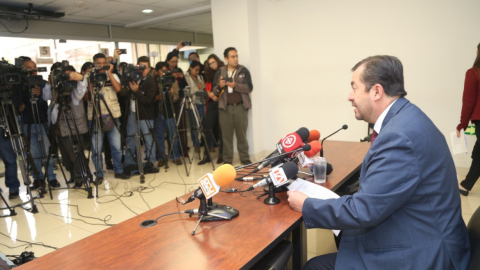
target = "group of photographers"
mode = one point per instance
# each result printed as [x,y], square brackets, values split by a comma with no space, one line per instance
[100,108]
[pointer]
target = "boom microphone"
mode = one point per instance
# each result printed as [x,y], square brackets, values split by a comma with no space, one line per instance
[278,176]
[343,127]
[210,183]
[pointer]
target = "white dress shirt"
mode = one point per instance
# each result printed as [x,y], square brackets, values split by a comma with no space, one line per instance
[378,124]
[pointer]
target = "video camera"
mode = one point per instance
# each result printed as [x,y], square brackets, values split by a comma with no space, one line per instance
[11,75]
[96,76]
[167,78]
[132,73]
[60,80]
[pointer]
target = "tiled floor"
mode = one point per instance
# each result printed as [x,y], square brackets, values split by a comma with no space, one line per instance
[59,224]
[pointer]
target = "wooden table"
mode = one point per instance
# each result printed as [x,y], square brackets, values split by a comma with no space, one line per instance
[234,244]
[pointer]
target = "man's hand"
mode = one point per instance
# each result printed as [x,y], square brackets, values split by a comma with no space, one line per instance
[36,90]
[21,107]
[458,133]
[134,86]
[116,54]
[231,84]
[221,82]
[296,200]
[110,70]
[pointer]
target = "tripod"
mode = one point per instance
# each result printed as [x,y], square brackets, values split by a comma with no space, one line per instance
[137,136]
[10,209]
[20,148]
[166,95]
[85,173]
[198,125]
[43,153]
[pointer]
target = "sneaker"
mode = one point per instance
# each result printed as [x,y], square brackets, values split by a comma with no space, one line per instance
[122,176]
[78,184]
[36,184]
[54,183]
[12,195]
[178,161]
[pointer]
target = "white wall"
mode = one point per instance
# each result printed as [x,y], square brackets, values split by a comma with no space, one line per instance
[306,48]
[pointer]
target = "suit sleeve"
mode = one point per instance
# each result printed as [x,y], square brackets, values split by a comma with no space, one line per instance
[469,98]
[392,175]
[246,87]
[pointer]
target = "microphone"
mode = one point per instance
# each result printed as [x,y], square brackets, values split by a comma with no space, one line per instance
[304,133]
[315,148]
[278,176]
[343,127]
[210,183]
[314,135]
[289,143]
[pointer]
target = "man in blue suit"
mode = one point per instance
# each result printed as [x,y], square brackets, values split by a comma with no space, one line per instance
[406,213]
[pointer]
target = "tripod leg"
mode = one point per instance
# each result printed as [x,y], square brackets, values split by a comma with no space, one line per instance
[196,226]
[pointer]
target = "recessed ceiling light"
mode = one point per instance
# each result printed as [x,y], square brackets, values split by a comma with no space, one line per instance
[80,3]
[147,10]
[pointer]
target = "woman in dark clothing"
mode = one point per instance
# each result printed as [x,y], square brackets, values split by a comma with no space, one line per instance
[471,112]
[212,124]
[172,61]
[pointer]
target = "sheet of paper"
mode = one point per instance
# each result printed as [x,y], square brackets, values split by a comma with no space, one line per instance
[313,191]
[459,145]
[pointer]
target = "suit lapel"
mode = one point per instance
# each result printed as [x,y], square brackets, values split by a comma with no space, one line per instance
[398,106]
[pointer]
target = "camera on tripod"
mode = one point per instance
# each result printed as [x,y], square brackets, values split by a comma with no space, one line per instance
[9,75]
[96,76]
[60,80]
[132,73]
[167,78]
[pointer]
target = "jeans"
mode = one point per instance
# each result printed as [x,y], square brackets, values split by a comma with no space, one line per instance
[10,160]
[38,130]
[193,124]
[160,134]
[132,128]
[115,142]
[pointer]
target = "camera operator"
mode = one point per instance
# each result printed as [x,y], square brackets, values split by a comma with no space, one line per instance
[109,93]
[144,91]
[196,83]
[56,118]
[165,119]
[34,127]
[193,56]
[9,159]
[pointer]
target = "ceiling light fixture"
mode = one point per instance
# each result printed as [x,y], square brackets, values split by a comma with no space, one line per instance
[147,10]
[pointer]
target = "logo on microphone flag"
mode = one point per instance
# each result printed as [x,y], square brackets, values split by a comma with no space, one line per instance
[278,176]
[289,141]
[208,185]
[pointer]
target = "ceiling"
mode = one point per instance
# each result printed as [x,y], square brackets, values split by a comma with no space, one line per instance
[181,15]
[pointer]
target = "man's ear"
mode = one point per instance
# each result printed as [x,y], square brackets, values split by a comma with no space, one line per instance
[377,92]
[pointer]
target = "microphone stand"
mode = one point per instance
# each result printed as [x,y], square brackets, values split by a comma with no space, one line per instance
[221,212]
[321,150]
[271,199]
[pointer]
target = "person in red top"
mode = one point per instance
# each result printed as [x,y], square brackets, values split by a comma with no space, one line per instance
[471,112]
